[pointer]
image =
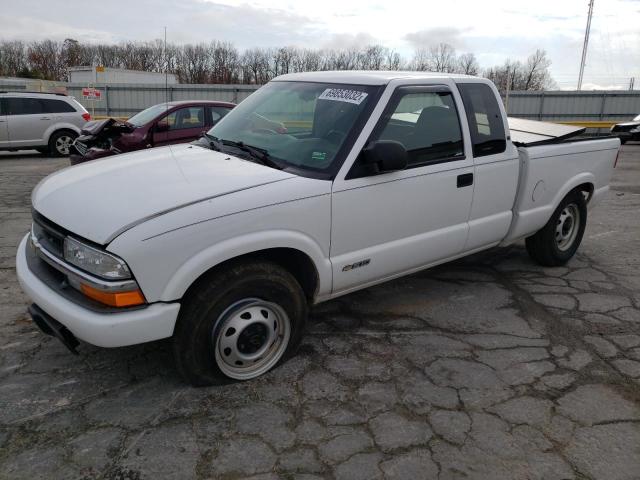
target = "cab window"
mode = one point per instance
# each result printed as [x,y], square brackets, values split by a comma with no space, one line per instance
[484,117]
[426,123]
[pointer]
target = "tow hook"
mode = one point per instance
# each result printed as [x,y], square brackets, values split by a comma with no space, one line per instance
[51,326]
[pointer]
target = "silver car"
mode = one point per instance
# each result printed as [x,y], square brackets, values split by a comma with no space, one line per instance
[47,122]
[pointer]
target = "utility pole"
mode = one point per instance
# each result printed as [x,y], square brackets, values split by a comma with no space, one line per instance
[584,46]
[166,69]
[631,82]
[506,99]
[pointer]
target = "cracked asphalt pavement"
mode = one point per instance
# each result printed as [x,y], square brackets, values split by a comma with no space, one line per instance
[490,367]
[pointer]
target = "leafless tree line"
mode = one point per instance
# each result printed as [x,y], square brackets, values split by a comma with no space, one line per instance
[533,74]
[222,62]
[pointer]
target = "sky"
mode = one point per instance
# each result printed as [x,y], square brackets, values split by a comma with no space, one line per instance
[491,29]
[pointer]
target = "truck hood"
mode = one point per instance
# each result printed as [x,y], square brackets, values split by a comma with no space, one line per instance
[99,200]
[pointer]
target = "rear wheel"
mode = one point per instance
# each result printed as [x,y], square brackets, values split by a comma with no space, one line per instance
[559,239]
[239,323]
[60,142]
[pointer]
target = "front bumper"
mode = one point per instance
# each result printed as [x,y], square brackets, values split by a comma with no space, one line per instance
[75,157]
[112,329]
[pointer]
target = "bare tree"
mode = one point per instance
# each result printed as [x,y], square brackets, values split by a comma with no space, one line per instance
[442,58]
[221,62]
[467,64]
[536,71]
[13,59]
[438,58]
[393,61]
[533,75]
[420,60]
[255,64]
[46,60]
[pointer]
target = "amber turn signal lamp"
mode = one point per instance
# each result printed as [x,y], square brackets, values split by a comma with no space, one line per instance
[114,299]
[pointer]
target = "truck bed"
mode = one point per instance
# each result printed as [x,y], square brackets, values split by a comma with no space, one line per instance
[549,171]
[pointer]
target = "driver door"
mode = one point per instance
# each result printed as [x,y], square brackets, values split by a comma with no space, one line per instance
[390,223]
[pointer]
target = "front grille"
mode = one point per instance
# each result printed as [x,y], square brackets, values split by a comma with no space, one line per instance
[81,148]
[49,236]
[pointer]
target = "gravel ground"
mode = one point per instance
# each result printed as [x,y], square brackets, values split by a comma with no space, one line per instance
[487,368]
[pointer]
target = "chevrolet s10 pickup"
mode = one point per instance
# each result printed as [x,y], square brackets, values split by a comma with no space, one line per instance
[317,185]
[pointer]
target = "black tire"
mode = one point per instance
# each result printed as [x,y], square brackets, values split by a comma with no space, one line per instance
[60,141]
[558,240]
[219,299]
[623,141]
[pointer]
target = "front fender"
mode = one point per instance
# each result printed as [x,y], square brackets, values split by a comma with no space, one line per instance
[214,255]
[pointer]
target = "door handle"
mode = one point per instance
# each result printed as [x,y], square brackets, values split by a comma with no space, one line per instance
[465,180]
[45,118]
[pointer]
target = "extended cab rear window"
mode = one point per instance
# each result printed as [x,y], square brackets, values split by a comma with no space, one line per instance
[485,119]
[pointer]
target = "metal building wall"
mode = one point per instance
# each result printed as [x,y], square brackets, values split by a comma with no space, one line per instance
[565,106]
[556,106]
[126,99]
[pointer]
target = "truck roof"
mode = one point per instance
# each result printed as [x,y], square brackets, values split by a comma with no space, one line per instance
[365,77]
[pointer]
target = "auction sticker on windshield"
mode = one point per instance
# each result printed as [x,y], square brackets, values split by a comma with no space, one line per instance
[343,95]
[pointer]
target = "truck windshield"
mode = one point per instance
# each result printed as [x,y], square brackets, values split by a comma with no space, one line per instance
[297,124]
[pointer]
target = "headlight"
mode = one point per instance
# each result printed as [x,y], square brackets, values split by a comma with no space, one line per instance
[97,262]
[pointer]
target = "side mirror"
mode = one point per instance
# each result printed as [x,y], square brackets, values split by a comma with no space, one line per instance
[162,126]
[389,155]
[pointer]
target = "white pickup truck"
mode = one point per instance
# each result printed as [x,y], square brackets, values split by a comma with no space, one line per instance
[317,185]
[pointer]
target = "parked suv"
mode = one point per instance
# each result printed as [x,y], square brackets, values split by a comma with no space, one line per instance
[47,122]
[162,124]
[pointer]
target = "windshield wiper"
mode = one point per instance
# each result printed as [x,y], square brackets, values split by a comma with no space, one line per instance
[213,141]
[256,153]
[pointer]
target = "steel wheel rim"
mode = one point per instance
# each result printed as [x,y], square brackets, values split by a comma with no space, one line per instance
[63,143]
[253,332]
[567,227]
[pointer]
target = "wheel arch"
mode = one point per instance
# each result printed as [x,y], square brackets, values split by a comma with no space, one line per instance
[584,182]
[61,127]
[298,254]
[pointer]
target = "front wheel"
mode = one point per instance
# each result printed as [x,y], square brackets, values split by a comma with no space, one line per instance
[60,143]
[558,240]
[238,323]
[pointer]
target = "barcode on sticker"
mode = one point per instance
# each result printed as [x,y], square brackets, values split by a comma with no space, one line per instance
[343,95]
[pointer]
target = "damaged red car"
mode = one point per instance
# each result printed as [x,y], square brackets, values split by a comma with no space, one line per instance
[162,124]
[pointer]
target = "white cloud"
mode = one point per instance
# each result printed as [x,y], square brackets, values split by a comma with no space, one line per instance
[492,29]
